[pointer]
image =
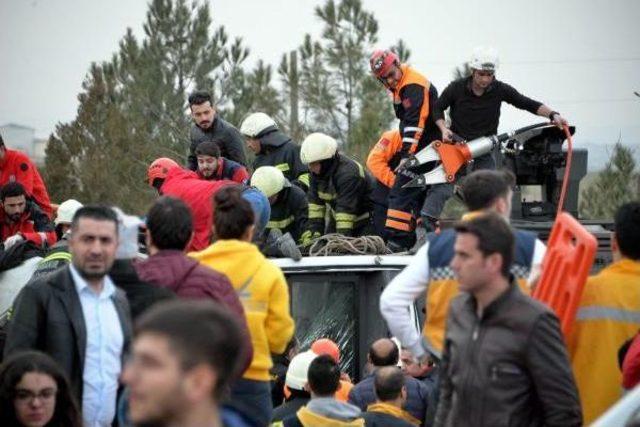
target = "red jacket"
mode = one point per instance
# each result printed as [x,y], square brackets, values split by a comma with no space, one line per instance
[198,195]
[228,169]
[631,365]
[16,166]
[187,278]
[34,225]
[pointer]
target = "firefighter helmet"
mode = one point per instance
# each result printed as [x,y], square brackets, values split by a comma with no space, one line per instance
[268,179]
[381,61]
[255,124]
[159,168]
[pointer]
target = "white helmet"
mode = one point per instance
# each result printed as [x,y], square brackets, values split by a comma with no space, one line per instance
[255,124]
[268,179]
[316,147]
[484,58]
[66,211]
[298,370]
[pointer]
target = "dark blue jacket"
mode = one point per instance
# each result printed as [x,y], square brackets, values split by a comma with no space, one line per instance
[363,394]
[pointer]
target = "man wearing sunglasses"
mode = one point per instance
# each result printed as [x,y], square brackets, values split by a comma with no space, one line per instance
[414,98]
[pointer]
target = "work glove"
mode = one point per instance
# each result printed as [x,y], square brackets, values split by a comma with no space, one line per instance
[308,237]
[16,238]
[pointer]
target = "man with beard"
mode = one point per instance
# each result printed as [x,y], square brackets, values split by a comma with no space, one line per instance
[22,219]
[79,317]
[207,125]
[213,167]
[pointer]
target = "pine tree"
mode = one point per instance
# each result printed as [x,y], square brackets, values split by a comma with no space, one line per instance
[337,94]
[133,107]
[614,186]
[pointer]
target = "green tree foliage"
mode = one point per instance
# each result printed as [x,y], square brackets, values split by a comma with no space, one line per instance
[337,93]
[133,107]
[617,184]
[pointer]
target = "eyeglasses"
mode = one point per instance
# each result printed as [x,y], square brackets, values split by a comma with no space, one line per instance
[28,396]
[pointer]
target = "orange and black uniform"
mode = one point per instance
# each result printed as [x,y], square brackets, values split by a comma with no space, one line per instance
[413,100]
[383,158]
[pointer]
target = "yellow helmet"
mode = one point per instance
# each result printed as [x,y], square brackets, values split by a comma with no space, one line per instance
[269,180]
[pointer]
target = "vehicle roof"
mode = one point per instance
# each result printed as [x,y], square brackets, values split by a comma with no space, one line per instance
[339,263]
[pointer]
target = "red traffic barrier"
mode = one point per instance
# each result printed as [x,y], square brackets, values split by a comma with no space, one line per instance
[570,253]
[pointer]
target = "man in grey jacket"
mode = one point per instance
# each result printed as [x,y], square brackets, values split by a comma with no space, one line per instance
[79,317]
[504,360]
[208,126]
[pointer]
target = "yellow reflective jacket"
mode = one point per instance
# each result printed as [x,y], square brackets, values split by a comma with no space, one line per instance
[609,314]
[264,294]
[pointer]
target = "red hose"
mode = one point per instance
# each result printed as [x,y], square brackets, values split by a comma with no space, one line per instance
[567,169]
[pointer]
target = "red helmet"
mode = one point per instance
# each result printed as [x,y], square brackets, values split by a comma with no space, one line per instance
[381,61]
[328,347]
[159,168]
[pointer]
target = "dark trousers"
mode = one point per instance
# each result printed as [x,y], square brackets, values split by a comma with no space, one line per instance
[437,196]
[404,204]
[254,399]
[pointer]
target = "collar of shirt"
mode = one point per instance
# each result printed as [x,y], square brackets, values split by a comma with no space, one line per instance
[108,289]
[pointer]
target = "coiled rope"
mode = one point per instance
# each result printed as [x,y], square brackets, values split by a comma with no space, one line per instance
[338,244]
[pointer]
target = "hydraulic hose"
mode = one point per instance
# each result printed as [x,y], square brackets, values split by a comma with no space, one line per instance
[567,170]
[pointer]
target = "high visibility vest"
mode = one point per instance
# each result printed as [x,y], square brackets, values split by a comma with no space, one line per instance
[609,314]
[443,286]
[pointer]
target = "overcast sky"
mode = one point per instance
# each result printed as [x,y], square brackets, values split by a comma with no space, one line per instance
[581,57]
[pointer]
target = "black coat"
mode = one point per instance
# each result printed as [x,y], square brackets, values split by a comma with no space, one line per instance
[47,316]
[233,144]
[289,213]
[288,408]
[278,150]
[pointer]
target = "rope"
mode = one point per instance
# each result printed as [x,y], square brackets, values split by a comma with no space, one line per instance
[338,244]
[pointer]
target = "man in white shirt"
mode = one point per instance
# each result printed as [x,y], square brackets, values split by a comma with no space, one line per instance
[77,316]
[429,271]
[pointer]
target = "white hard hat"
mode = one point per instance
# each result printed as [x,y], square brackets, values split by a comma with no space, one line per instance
[484,58]
[255,124]
[316,147]
[296,377]
[268,179]
[66,211]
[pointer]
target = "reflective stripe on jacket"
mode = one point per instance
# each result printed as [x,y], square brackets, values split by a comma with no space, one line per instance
[609,314]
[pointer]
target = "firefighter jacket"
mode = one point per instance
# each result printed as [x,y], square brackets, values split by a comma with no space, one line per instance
[34,225]
[16,166]
[278,150]
[198,195]
[413,99]
[608,315]
[232,147]
[430,273]
[230,170]
[343,191]
[289,212]
[385,157]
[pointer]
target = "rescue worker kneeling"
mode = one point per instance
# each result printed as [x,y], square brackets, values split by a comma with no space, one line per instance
[339,186]
[289,207]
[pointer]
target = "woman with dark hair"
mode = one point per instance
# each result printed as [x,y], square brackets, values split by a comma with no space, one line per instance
[263,292]
[35,393]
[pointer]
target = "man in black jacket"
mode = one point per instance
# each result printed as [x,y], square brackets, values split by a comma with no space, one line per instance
[207,126]
[384,353]
[504,360]
[273,147]
[78,316]
[339,185]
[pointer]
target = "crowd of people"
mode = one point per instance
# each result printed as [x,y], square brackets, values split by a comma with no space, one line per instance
[191,325]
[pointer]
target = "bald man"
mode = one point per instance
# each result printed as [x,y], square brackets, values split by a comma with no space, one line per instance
[385,353]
